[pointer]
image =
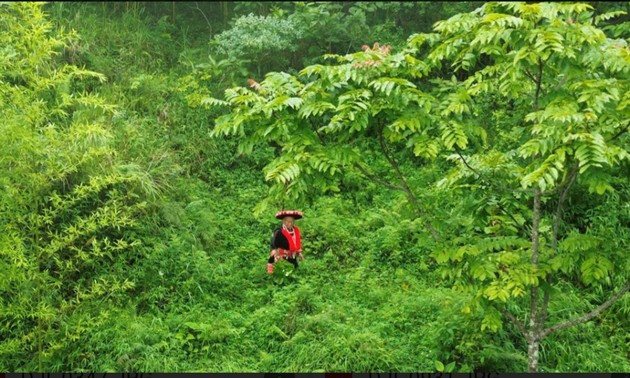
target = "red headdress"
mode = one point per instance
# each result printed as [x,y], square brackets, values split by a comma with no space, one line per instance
[289,213]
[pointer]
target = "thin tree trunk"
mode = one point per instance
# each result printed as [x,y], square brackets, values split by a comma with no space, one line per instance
[533,339]
[535,329]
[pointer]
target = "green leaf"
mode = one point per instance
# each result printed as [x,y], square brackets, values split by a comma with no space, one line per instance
[450,367]
[439,366]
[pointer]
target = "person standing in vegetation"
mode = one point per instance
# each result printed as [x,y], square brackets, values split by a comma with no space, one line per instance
[286,242]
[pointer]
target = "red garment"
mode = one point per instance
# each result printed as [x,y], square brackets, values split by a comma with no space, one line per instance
[283,254]
[294,244]
[279,249]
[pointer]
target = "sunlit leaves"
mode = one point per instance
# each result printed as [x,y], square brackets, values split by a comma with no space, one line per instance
[315,69]
[68,197]
[387,84]
[607,16]
[334,104]
[560,82]
[595,268]
[424,146]
[455,24]
[453,135]
[209,101]
[547,174]
[285,172]
[315,108]
[502,20]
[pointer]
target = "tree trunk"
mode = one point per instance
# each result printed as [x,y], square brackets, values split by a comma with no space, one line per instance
[533,347]
[533,339]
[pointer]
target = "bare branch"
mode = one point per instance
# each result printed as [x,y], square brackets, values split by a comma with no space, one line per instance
[535,227]
[412,197]
[620,133]
[394,164]
[489,182]
[543,311]
[377,179]
[515,321]
[466,163]
[529,75]
[558,216]
[538,83]
[204,15]
[533,312]
[570,180]
[586,317]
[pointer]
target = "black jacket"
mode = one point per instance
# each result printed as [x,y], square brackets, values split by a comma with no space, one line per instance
[278,240]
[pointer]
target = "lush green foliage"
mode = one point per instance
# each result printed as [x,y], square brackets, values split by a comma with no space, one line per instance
[68,201]
[127,238]
[566,87]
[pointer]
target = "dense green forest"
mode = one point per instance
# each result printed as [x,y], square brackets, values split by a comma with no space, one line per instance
[463,169]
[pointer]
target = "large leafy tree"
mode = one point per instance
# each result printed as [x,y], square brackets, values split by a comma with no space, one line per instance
[565,85]
[530,105]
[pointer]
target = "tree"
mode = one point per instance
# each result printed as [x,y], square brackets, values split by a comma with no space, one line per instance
[527,101]
[566,87]
[319,125]
[259,38]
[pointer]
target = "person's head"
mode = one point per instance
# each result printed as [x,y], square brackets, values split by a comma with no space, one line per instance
[288,222]
[289,217]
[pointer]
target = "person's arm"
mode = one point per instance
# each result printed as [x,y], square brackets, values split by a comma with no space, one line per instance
[273,245]
[300,254]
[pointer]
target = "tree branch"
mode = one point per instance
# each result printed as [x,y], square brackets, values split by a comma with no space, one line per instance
[466,163]
[535,226]
[543,311]
[394,165]
[412,197]
[620,133]
[534,320]
[203,14]
[586,317]
[515,321]
[529,75]
[558,216]
[538,83]
[533,312]
[491,184]
[377,179]
[319,136]
[572,176]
